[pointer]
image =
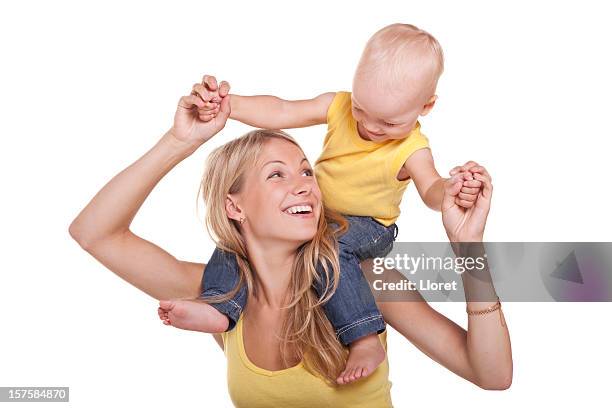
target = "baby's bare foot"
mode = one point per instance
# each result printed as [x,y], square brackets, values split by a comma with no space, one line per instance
[365,355]
[192,315]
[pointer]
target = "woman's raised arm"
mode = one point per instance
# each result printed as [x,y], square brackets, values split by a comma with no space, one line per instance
[102,228]
[482,354]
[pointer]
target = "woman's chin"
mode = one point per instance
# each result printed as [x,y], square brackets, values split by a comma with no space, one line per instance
[302,235]
[305,236]
[298,226]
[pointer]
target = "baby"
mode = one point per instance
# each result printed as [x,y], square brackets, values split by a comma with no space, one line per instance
[373,149]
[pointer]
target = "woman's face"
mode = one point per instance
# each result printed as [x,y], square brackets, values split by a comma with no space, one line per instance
[281,199]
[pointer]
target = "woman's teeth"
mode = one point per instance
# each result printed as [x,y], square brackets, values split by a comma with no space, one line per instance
[299,208]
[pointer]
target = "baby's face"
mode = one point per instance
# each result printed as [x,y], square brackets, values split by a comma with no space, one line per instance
[381,115]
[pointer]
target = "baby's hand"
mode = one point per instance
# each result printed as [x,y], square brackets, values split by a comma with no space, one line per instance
[211,93]
[471,187]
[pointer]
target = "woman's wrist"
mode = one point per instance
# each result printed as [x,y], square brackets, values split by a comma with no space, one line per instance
[467,248]
[465,240]
[176,147]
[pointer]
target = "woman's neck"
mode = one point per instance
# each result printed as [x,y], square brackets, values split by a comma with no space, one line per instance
[273,264]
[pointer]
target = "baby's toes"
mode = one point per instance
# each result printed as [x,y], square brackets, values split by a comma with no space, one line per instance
[350,376]
[342,376]
[365,372]
[166,305]
[346,378]
[358,373]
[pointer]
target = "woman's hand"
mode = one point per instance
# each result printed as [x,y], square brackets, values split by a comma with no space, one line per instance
[189,127]
[461,224]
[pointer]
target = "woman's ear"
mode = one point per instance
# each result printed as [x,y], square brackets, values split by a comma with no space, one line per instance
[232,208]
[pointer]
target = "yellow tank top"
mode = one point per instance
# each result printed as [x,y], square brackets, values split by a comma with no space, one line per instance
[295,387]
[357,176]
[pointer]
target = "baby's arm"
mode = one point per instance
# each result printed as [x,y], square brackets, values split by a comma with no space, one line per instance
[271,112]
[264,111]
[430,185]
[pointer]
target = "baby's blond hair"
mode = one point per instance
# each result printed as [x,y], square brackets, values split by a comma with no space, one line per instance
[400,52]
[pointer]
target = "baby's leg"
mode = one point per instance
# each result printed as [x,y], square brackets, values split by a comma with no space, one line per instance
[353,313]
[220,277]
[352,309]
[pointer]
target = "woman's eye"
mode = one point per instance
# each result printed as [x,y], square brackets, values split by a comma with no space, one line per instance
[276,173]
[390,124]
[308,172]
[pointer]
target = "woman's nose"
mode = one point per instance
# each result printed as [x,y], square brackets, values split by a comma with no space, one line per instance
[302,187]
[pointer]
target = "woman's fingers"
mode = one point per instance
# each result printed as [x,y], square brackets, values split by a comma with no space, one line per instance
[472,183]
[451,189]
[481,170]
[189,101]
[463,203]
[454,170]
[225,108]
[467,197]
[205,93]
[470,163]
[466,167]
[209,108]
[206,118]
[201,114]
[210,83]
[487,189]
[470,190]
[210,105]
[206,111]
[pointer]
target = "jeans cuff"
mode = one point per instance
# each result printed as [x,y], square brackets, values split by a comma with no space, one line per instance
[229,308]
[359,328]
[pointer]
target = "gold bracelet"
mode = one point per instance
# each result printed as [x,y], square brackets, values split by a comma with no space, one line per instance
[496,306]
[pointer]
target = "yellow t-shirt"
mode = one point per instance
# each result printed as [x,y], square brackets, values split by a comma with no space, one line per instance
[295,387]
[357,176]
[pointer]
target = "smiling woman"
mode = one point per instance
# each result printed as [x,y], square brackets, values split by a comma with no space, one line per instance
[282,341]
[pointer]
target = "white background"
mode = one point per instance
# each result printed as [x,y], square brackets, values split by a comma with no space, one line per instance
[87,88]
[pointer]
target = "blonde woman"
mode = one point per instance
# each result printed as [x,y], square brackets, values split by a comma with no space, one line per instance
[283,350]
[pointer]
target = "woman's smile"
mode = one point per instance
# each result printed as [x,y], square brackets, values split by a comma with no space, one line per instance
[303,210]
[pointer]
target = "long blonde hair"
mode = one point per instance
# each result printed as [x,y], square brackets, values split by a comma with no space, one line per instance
[306,332]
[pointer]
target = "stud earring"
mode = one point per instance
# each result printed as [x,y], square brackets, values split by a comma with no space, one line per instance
[242,220]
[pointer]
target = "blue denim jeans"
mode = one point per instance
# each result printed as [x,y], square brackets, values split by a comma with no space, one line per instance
[351,310]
